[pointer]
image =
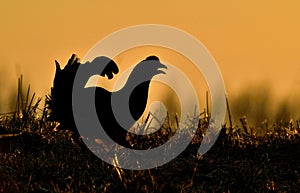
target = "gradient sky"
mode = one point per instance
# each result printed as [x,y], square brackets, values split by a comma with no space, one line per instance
[253,42]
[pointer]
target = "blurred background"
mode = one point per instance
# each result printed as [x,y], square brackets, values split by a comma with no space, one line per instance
[255,44]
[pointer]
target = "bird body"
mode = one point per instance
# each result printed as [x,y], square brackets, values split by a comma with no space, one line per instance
[118,111]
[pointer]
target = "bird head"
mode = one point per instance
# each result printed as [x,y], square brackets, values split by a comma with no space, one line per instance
[102,64]
[154,61]
[147,69]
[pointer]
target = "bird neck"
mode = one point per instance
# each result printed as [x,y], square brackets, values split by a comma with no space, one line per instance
[138,99]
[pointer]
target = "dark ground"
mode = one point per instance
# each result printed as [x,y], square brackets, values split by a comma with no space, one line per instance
[43,158]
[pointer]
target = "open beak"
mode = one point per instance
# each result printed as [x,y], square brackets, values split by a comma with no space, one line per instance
[160,68]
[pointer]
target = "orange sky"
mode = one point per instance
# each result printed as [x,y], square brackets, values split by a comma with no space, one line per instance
[254,41]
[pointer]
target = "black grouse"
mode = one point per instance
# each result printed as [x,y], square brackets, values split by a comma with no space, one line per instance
[59,101]
[132,96]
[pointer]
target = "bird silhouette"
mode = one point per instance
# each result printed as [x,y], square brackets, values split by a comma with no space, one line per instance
[117,111]
[59,101]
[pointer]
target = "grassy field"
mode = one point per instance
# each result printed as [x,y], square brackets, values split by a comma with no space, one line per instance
[38,156]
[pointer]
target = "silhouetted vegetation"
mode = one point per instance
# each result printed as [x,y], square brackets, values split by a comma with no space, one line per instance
[36,156]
